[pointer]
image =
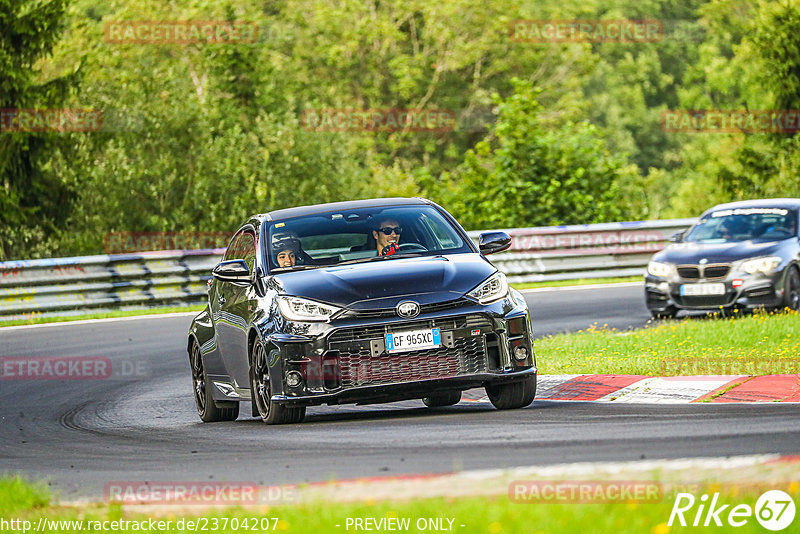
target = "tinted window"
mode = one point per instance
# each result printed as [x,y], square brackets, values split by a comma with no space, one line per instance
[745,224]
[350,236]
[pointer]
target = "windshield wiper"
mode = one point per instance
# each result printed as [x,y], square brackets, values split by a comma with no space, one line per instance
[381,258]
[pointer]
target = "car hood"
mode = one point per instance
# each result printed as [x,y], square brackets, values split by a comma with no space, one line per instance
[692,253]
[383,284]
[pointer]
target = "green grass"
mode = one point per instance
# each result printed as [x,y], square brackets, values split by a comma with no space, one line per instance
[578,282]
[758,344]
[104,315]
[490,514]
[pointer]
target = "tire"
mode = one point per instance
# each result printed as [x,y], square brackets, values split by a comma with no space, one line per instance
[669,313]
[261,395]
[791,290]
[207,409]
[512,396]
[442,399]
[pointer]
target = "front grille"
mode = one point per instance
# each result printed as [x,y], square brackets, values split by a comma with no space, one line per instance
[694,272]
[716,271]
[364,333]
[689,273]
[359,368]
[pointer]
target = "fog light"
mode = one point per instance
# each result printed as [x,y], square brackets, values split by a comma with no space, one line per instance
[520,352]
[293,379]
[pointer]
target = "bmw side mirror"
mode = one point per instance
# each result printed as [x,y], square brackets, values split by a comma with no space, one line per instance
[491,242]
[677,237]
[235,271]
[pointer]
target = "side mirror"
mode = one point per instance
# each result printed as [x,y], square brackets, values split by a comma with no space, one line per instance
[235,271]
[677,237]
[491,242]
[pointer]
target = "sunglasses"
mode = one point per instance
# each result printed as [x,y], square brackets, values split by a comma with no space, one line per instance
[387,230]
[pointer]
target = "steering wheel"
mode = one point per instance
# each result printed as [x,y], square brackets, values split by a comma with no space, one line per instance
[411,247]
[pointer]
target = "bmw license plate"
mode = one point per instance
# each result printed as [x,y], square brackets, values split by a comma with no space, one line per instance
[698,290]
[430,338]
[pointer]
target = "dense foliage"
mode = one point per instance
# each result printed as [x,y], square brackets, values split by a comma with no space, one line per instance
[197,136]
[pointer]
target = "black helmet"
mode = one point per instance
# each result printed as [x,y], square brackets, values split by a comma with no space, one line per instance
[284,241]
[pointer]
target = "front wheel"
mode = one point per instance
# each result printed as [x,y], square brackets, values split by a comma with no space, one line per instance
[261,395]
[208,411]
[512,396]
[442,399]
[791,290]
[668,313]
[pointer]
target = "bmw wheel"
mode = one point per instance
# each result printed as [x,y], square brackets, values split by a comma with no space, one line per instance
[791,290]
[261,394]
[207,409]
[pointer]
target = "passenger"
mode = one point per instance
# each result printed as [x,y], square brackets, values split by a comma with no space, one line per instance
[387,234]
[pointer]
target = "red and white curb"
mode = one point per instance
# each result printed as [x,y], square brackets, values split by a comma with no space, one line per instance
[664,390]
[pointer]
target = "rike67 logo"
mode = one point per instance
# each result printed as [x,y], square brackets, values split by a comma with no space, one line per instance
[774,510]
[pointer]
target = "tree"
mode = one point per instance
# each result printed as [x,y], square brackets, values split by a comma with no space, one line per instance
[34,201]
[524,174]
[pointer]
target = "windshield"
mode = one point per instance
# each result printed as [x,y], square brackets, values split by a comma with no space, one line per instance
[360,235]
[745,224]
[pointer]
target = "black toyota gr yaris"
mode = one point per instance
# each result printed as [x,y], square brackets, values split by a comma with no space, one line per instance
[358,302]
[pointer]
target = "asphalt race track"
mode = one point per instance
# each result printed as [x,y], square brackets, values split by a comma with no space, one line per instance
[83,434]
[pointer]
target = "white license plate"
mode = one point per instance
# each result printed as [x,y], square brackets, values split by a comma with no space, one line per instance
[697,290]
[413,340]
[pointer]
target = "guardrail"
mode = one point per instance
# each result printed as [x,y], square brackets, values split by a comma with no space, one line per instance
[86,284]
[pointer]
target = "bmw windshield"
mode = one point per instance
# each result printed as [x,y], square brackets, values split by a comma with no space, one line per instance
[359,236]
[744,224]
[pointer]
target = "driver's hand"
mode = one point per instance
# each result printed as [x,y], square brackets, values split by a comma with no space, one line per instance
[390,249]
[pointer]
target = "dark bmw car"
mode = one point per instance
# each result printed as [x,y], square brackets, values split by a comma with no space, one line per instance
[358,302]
[742,255]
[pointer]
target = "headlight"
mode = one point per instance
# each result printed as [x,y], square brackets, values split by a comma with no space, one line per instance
[662,270]
[764,265]
[493,288]
[297,309]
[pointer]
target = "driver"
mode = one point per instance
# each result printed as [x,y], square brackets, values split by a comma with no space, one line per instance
[285,247]
[387,234]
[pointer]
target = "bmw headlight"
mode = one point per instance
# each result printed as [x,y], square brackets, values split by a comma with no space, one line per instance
[662,270]
[764,265]
[493,288]
[298,309]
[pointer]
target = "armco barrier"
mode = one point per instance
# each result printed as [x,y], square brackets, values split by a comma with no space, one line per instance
[74,286]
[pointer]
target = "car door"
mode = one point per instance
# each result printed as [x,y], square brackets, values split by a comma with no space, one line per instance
[235,310]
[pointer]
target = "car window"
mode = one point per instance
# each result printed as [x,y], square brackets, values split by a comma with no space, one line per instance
[355,235]
[243,247]
[745,224]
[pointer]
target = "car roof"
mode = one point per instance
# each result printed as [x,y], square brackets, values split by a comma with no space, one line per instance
[299,211]
[792,203]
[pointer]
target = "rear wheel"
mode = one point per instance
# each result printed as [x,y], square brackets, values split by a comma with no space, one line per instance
[514,395]
[442,399]
[261,394]
[207,409]
[791,290]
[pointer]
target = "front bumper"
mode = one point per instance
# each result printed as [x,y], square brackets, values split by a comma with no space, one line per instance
[404,390]
[349,363]
[741,291]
